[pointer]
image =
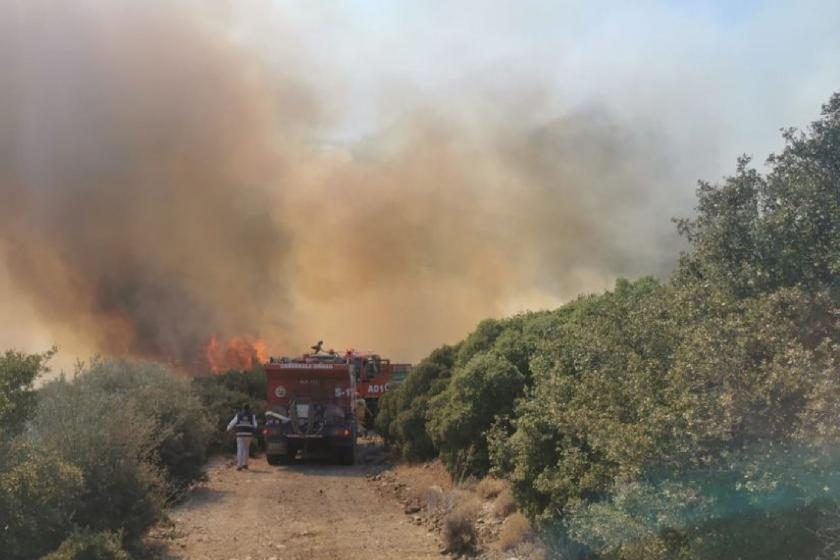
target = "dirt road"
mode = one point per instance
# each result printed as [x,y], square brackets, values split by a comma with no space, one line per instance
[302,511]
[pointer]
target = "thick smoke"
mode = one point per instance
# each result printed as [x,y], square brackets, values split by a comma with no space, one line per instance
[437,225]
[161,187]
[136,155]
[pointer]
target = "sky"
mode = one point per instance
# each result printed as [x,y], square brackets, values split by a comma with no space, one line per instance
[741,70]
[388,173]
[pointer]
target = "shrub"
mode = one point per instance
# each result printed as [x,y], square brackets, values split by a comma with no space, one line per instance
[18,372]
[597,408]
[459,533]
[457,418]
[515,530]
[182,428]
[135,431]
[756,233]
[505,504]
[39,493]
[434,498]
[251,383]
[113,443]
[85,545]
[402,413]
[490,487]
[489,371]
[731,369]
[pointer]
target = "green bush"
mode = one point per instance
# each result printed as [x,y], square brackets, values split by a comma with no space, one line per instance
[756,233]
[182,427]
[734,393]
[85,545]
[134,430]
[419,416]
[102,453]
[39,494]
[492,371]
[458,417]
[251,383]
[18,372]
[113,443]
[401,418]
[593,413]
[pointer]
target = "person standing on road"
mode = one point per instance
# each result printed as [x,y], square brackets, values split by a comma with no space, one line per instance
[244,424]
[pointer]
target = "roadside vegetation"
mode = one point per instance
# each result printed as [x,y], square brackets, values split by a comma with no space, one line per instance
[695,417]
[88,464]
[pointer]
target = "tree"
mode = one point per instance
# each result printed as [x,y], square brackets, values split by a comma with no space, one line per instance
[402,412]
[457,419]
[753,234]
[18,372]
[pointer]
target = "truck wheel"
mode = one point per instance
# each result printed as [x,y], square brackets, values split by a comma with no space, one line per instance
[347,455]
[277,459]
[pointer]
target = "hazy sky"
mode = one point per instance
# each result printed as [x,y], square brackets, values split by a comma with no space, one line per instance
[499,156]
[735,70]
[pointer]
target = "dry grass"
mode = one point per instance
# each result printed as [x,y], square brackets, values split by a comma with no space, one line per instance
[425,475]
[456,498]
[459,534]
[505,504]
[434,498]
[531,551]
[468,484]
[490,487]
[515,530]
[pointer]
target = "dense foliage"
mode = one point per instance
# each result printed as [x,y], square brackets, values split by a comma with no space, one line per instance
[154,395]
[695,418]
[39,493]
[99,457]
[401,418]
[18,372]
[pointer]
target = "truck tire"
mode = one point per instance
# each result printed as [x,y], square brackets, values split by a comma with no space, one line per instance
[275,460]
[347,455]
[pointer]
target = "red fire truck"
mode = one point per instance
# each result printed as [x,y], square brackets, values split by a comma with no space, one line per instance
[312,401]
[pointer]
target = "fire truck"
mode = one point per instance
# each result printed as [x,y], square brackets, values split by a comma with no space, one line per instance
[312,402]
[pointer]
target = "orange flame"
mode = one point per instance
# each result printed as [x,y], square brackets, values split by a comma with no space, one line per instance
[236,353]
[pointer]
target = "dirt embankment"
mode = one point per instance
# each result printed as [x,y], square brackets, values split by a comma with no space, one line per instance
[473,519]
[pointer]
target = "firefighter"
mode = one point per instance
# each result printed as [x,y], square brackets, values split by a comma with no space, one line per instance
[362,411]
[244,424]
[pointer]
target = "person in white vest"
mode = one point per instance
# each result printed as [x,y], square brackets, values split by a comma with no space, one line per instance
[244,424]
